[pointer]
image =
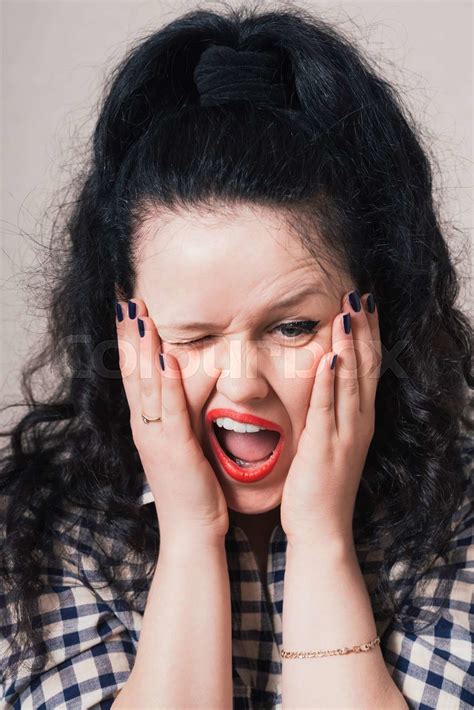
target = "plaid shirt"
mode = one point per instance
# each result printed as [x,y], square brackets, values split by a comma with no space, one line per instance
[93,634]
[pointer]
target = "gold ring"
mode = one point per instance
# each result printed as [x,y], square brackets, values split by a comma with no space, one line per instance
[147,420]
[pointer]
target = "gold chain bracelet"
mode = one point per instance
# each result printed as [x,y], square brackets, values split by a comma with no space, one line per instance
[332,652]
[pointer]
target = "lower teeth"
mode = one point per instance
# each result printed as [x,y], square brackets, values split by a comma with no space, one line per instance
[246,464]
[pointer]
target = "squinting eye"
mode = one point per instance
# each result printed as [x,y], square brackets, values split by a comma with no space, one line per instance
[305,327]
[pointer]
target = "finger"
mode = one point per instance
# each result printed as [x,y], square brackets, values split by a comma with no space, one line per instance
[346,387]
[321,413]
[363,347]
[373,374]
[127,344]
[150,377]
[136,308]
[174,407]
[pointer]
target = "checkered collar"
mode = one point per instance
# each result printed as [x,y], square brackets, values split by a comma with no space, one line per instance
[146,496]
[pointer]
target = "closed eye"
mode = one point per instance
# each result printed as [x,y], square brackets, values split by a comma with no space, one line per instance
[298,329]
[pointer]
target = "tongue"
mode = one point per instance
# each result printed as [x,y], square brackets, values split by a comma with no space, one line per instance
[249,447]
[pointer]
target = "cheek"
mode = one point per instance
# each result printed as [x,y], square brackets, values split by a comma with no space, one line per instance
[295,389]
[294,395]
[296,398]
[300,364]
[195,365]
[194,380]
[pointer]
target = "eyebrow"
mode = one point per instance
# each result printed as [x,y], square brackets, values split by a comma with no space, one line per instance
[284,303]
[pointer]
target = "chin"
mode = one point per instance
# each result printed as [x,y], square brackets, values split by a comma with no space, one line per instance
[253,501]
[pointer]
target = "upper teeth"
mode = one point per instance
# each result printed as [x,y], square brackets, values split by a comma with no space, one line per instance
[230,424]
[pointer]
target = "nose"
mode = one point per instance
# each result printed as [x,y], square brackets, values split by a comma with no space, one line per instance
[243,379]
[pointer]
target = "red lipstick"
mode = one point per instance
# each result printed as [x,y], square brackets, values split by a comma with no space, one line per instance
[238,473]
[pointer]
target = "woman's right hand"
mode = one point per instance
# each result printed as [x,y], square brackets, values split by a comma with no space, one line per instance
[188,497]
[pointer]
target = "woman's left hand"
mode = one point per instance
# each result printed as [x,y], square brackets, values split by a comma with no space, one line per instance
[321,486]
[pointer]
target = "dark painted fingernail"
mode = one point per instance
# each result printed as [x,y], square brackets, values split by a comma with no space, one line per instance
[333,362]
[132,309]
[370,303]
[119,312]
[162,361]
[346,319]
[141,327]
[354,300]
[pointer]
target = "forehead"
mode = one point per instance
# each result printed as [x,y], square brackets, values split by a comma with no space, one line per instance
[215,264]
[197,243]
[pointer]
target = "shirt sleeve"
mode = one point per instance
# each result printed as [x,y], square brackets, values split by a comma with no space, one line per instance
[432,663]
[91,651]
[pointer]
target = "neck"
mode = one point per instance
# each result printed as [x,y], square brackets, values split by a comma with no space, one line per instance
[258,522]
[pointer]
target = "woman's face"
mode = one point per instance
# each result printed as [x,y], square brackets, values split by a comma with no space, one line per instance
[232,272]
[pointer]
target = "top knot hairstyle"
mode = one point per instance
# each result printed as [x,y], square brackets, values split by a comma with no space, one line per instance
[224,74]
[275,109]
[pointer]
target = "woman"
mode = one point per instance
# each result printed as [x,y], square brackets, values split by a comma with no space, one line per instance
[257,448]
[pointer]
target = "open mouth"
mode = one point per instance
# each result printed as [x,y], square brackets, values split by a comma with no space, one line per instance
[252,467]
[240,461]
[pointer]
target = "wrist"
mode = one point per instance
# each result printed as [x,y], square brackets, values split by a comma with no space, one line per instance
[322,547]
[191,541]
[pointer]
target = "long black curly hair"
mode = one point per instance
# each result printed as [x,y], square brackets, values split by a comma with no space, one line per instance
[333,148]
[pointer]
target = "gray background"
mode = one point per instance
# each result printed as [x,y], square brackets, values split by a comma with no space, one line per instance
[55,57]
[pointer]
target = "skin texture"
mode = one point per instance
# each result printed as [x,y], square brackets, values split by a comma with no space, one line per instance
[229,269]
